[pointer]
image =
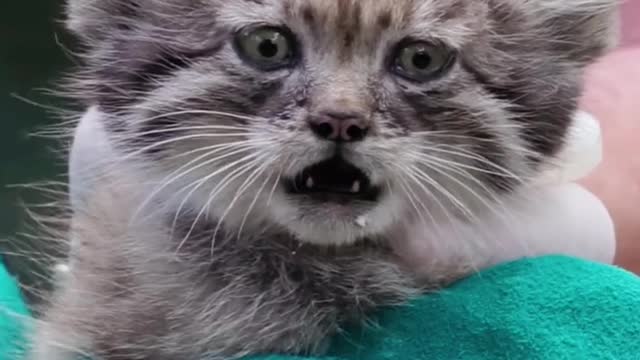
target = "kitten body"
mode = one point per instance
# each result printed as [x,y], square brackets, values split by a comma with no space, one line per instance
[197,239]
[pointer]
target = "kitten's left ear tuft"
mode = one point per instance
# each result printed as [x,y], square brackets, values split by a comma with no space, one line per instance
[577,30]
[93,20]
[585,29]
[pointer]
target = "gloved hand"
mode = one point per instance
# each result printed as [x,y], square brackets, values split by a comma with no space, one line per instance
[550,215]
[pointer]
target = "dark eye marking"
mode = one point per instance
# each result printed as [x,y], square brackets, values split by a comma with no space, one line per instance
[248,97]
[500,92]
[488,148]
[262,92]
[434,113]
[545,123]
[433,103]
[308,16]
[165,63]
[349,38]
[141,67]
[384,21]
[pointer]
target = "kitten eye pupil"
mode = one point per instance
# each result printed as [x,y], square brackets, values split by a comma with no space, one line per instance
[268,48]
[421,60]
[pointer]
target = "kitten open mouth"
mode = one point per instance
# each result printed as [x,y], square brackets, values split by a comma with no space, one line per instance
[334,180]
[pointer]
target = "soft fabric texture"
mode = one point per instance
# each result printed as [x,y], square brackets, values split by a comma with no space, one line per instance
[13,312]
[551,308]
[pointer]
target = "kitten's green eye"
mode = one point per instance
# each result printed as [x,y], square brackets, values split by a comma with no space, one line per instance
[268,48]
[421,61]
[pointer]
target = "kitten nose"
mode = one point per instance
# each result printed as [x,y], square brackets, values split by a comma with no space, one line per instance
[339,126]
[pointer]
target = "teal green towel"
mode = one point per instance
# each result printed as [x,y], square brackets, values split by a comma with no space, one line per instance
[551,308]
[13,316]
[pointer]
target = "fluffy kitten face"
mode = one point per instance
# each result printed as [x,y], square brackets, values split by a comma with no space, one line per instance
[312,114]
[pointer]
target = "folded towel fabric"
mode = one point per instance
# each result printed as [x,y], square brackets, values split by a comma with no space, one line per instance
[13,315]
[550,308]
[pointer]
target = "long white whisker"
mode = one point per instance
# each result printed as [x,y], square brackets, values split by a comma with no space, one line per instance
[454,134]
[461,206]
[197,184]
[454,200]
[248,182]
[494,198]
[495,205]
[453,226]
[233,175]
[433,224]
[253,204]
[468,155]
[412,199]
[461,169]
[200,112]
[411,174]
[171,141]
[275,186]
[447,135]
[177,129]
[239,192]
[216,146]
[179,173]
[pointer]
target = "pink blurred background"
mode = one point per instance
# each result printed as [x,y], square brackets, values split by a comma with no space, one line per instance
[631,23]
[612,90]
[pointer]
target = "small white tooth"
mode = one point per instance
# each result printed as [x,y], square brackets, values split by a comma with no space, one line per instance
[355,188]
[361,221]
[310,182]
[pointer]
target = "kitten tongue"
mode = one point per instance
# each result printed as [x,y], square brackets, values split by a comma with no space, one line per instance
[580,155]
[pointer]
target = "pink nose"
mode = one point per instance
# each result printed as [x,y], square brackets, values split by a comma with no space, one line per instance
[339,126]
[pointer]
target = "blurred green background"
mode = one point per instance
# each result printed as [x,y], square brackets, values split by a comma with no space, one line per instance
[31,59]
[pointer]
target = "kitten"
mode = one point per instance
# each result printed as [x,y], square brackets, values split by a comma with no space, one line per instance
[285,145]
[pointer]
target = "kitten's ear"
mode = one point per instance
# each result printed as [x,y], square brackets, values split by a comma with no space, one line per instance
[92,20]
[582,29]
[577,30]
